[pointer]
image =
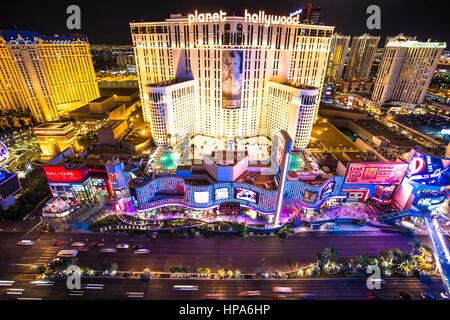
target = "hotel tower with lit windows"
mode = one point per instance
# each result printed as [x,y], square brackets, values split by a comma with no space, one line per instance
[48,75]
[230,76]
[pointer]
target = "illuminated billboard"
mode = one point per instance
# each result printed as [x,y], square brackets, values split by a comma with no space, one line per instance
[201,197]
[327,188]
[309,196]
[220,194]
[375,173]
[232,78]
[61,174]
[432,171]
[245,194]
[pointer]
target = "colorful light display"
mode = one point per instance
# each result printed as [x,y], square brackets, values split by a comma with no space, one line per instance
[61,174]
[4,155]
[245,194]
[375,173]
[432,171]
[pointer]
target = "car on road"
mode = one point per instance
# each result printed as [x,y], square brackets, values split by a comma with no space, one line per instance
[57,243]
[185,287]
[141,251]
[109,250]
[372,296]
[404,295]
[25,243]
[427,296]
[249,293]
[210,296]
[97,244]
[282,289]
[278,297]
[122,246]
[83,249]
[138,246]
[67,253]
[307,296]
[78,244]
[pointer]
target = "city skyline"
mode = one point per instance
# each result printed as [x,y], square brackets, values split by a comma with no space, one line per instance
[396,17]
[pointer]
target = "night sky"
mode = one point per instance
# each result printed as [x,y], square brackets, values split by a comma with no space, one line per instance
[107,21]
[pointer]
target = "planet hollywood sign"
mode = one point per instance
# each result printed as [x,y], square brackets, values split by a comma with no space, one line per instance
[260,17]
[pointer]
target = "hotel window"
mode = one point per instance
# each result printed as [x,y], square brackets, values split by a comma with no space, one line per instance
[239,34]
[227,37]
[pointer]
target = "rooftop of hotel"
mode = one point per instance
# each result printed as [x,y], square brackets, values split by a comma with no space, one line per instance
[168,82]
[118,91]
[294,84]
[51,125]
[101,99]
[112,124]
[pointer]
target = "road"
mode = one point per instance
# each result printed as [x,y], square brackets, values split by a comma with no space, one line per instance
[18,263]
[323,289]
[229,252]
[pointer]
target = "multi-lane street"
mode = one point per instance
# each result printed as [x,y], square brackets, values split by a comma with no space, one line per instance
[323,289]
[18,263]
[244,253]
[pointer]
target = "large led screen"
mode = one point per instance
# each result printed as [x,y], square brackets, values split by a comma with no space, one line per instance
[375,173]
[220,194]
[245,194]
[432,171]
[231,78]
[201,197]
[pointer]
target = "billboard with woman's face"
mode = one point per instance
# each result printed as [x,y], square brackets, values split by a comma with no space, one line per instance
[231,78]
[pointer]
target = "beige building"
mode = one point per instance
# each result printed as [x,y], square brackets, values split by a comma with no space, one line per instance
[336,62]
[362,54]
[54,138]
[56,73]
[406,70]
[231,63]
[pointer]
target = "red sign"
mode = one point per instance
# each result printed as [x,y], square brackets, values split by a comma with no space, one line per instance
[61,174]
[375,173]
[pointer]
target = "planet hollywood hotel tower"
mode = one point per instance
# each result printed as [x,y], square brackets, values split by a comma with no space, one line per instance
[228,76]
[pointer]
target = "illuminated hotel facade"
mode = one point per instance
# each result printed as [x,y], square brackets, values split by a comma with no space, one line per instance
[362,54]
[232,76]
[336,62]
[406,70]
[48,75]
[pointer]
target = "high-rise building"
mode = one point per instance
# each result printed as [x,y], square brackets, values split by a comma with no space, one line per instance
[230,65]
[48,75]
[400,37]
[336,61]
[310,15]
[406,70]
[361,57]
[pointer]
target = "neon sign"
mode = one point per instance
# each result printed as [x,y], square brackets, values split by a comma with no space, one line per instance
[295,13]
[207,17]
[260,17]
[61,174]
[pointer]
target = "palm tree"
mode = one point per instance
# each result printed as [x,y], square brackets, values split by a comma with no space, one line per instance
[200,270]
[320,258]
[207,271]
[416,245]
[363,260]
[221,273]
[331,254]
[237,273]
